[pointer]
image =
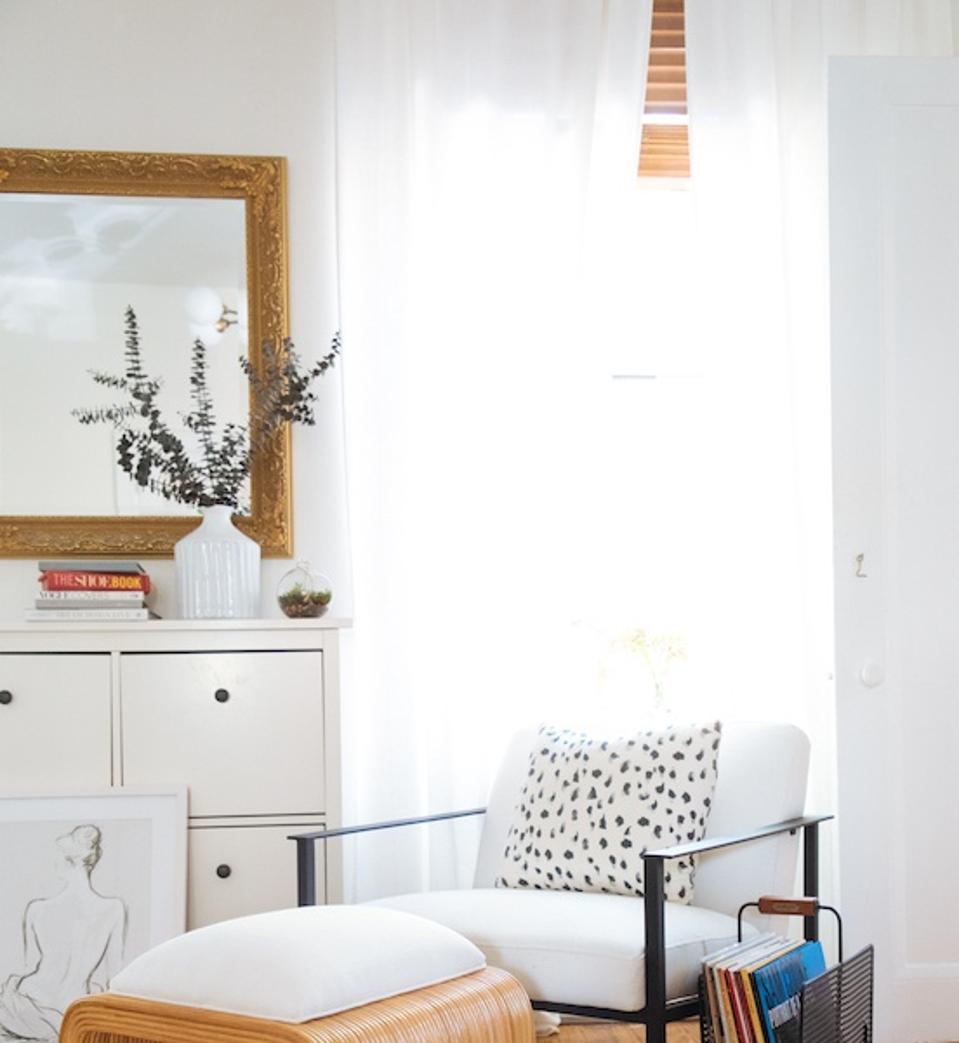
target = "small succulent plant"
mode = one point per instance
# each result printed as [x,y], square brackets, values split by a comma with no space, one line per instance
[300,603]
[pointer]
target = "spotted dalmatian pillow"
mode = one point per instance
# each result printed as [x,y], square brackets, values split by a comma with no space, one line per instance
[590,807]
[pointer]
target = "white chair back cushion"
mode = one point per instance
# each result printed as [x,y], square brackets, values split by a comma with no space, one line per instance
[762,779]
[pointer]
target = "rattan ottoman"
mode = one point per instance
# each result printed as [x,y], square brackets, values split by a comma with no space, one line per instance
[486,1007]
[328,974]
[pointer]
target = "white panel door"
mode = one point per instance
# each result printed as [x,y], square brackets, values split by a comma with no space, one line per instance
[894,215]
[54,721]
[244,730]
[244,870]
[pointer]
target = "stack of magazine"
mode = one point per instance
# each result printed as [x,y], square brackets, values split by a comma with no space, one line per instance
[752,988]
[90,591]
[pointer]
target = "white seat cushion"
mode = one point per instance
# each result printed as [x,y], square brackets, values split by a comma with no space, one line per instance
[300,964]
[571,947]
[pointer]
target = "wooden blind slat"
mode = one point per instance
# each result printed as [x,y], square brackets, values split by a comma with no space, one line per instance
[667,22]
[665,152]
[673,94]
[667,133]
[668,56]
[663,74]
[667,74]
[668,38]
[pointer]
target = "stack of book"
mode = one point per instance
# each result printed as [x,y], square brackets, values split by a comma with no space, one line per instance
[753,987]
[91,591]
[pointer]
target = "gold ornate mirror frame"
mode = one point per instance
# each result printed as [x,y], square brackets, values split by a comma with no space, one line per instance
[261,182]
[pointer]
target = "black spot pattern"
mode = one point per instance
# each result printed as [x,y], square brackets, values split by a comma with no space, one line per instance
[651,803]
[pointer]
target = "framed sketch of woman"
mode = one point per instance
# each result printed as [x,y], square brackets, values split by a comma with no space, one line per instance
[91,897]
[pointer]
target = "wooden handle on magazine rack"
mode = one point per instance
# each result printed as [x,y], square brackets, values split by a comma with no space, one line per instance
[770,905]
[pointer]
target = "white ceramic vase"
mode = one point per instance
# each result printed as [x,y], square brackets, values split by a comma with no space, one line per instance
[217,570]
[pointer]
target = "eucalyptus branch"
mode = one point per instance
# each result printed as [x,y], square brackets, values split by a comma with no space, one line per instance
[283,392]
[148,450]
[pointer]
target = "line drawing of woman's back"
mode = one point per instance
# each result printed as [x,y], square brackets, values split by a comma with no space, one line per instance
[73,943]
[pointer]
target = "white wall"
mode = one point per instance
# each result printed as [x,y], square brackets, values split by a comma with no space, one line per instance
[228,76]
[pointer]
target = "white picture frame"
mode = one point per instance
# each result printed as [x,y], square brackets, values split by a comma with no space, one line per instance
[88,881]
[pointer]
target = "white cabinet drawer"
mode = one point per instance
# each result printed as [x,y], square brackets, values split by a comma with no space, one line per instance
[54,721]
[244,730]
[237,871]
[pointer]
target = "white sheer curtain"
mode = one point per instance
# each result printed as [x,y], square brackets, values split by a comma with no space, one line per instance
[573,405]
[757,73]
[481,152]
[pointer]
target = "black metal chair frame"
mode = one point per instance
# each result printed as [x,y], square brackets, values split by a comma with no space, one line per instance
[658,1010]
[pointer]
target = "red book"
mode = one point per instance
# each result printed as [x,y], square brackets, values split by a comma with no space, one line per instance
[737,1000]
[88,581]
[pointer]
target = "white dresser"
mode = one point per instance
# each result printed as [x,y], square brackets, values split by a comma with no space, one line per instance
[244,713]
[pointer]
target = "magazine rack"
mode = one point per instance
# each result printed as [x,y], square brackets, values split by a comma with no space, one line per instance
[836,1007]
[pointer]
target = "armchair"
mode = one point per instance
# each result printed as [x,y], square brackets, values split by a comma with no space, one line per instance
[615,956]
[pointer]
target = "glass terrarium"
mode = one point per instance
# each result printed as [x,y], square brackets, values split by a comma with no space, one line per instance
[303,593]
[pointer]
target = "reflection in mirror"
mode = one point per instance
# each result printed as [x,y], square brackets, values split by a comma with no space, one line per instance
[69,267]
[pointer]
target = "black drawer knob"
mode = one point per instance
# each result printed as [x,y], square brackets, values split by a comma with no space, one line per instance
[6,698]
[223,871]
[221,695]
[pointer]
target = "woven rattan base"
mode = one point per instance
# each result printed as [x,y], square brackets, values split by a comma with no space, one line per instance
[479,1008]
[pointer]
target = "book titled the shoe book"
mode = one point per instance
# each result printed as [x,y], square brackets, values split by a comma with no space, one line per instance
[74,580]
[94,576]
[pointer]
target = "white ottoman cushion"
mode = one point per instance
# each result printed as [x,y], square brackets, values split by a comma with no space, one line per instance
[299,964]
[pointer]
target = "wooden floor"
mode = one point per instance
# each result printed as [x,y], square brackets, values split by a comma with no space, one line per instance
[609,1032]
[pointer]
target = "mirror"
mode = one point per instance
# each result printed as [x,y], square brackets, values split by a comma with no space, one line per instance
[196,245]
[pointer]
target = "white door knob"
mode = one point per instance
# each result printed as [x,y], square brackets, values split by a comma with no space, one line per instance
[871,675]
